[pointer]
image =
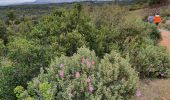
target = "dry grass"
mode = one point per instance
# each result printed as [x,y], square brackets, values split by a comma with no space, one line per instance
[158,89]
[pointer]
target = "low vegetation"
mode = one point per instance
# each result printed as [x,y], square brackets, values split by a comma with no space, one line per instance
[83,76]
[47,58]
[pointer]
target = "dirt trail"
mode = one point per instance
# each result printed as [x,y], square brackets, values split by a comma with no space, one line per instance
[158,89]
[165,39]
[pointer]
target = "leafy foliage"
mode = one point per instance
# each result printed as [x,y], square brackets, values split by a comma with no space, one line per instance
[26,59]
[3,32]
[152,61]
[83,76]
[167,26]
[152,2]
[33,43]
[6,82]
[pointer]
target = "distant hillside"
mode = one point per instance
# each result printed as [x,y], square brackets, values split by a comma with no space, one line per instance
[53,1]
[60,1]
[67,1]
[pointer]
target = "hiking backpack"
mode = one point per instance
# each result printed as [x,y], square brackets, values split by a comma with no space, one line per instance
[151,19]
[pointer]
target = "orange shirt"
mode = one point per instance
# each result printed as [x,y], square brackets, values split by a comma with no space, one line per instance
[157,19]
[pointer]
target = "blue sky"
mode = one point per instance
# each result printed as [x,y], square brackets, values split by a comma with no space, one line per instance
[6,2]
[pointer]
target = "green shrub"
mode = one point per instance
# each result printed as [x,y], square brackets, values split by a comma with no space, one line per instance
[64,31]
[3,32]
[132,29]
[61,33]
[151,61]
[27,58]
[154,33]
[2,48]
[136,7]
[165,12]
[167,26]
[83,76]
[143,46]
[71,41]
[153,2]
[109,16]
[7,76]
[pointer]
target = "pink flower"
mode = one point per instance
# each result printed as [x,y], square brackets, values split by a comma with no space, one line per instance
[61,73]
[91,88]
[93,62]
[161,65]
[88,63]
[88,80]
[82,60]
[162,74]
[138,93]
[77,75]
[61,65]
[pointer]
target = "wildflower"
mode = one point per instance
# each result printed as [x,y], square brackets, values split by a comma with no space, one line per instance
[88,63]
[138,93]
[77,75]
[161,65]
[162,74]
[88,80]
[61,65]
[91,88]
[93,62]
[61,73]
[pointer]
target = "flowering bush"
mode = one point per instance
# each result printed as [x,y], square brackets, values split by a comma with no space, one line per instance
[83,76]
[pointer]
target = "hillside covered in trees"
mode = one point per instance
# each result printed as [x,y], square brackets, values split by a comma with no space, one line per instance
[79,51]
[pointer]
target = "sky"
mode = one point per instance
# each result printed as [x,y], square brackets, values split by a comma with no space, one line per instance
[6,2]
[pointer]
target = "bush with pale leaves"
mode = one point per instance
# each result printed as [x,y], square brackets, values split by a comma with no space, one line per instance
[83,76]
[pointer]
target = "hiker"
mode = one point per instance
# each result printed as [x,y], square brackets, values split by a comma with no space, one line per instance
[157,19]
[151,19]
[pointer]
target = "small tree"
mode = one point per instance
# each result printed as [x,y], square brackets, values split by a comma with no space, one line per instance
[10,17]
[3,32]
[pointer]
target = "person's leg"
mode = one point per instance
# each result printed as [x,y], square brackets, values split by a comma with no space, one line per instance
[157,25]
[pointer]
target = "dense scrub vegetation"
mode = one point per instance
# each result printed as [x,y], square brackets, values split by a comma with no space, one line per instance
[83,76]
[122,47]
